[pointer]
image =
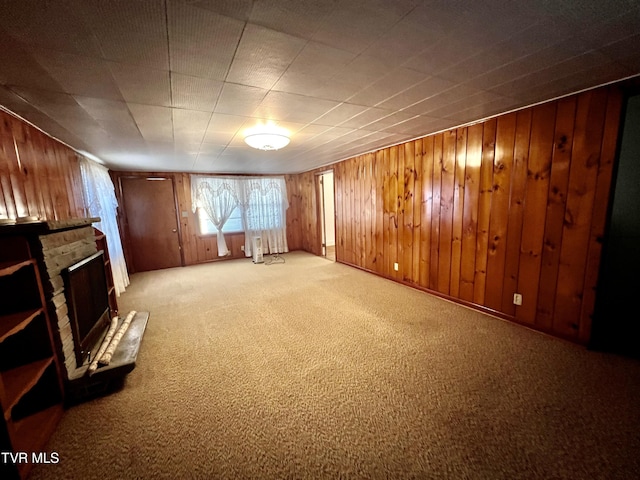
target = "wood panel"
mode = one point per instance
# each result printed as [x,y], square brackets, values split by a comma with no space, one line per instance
[446,210]
[514,204]
[470,212]
[426,211]
[418,169]
[516,210]
[436,188]
[498,223]
[409,178]
[38,175]
[583,179]
[559,182]
[379,211]
[484,210]
[458,211]
[535,203]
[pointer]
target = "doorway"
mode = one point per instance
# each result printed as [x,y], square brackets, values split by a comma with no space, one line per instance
[327,215]
[614,328]
[151,223]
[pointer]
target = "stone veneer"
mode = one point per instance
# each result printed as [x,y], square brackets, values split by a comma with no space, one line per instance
[61,249]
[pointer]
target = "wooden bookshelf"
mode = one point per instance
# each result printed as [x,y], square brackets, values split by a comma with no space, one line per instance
[31,393]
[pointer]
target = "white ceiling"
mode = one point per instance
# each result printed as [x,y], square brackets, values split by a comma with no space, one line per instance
[171,85]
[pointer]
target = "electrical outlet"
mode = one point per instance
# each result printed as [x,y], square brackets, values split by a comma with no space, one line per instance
[242,247]
[395,267]
[517,299]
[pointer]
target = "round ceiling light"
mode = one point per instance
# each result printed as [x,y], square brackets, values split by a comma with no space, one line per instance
[267,137]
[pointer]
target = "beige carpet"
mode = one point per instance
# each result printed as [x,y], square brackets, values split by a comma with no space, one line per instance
[312,369]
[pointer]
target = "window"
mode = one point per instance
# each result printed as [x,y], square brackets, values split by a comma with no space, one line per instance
[253,205]
[232,225]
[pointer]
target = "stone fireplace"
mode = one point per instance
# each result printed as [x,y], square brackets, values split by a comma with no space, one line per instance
[63,245]
[60,245]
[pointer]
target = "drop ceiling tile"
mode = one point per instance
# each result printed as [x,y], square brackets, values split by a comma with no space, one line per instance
[141,84]
[189,126]
[336,89]
[79,75]
[625,25]
[222,128]
[329,135]
[113,116]
[152,158]
[414,126]
[383,123]
[155,123]
[263,55]
[528,64]
[442,55]
[281,106]
[239,99]
[353,26]
[19,68]
[188,148]
[419,30]
[428,88]
[210,149]
[340,114]
[300,18]
[201,43]
[465,102]
[194,93]
[129,32]
[575,81]
[364,70]
[622,48]
[238,9]
[219,138]
[367,117]
[382,90]
[631,62]
[321,60]
[559,70]
[476,112]
[51,25]
[443,99]
[64,108]
[300,83]
[263,74]
[586,13]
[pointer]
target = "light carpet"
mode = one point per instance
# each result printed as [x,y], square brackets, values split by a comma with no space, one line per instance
[312,369]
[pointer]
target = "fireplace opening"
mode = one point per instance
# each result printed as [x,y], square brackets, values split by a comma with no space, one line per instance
[87,298]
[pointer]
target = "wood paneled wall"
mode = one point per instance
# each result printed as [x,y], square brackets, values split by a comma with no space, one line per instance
[203,248]
[303,222]
[38,175]
[515,204]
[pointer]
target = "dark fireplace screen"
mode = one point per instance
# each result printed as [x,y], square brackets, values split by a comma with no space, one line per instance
[88,303]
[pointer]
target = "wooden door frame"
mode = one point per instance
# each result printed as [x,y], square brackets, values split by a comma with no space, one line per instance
[123,221]
[320,208]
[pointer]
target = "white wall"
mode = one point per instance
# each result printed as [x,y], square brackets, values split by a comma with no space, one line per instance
[329,209]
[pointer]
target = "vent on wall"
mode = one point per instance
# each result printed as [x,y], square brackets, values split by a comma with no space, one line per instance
[256,250]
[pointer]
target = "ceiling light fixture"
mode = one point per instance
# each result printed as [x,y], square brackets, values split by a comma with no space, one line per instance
[267,137]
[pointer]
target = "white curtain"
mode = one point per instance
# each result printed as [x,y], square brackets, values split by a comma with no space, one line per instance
[217,196]
[100,197]
[264,207]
